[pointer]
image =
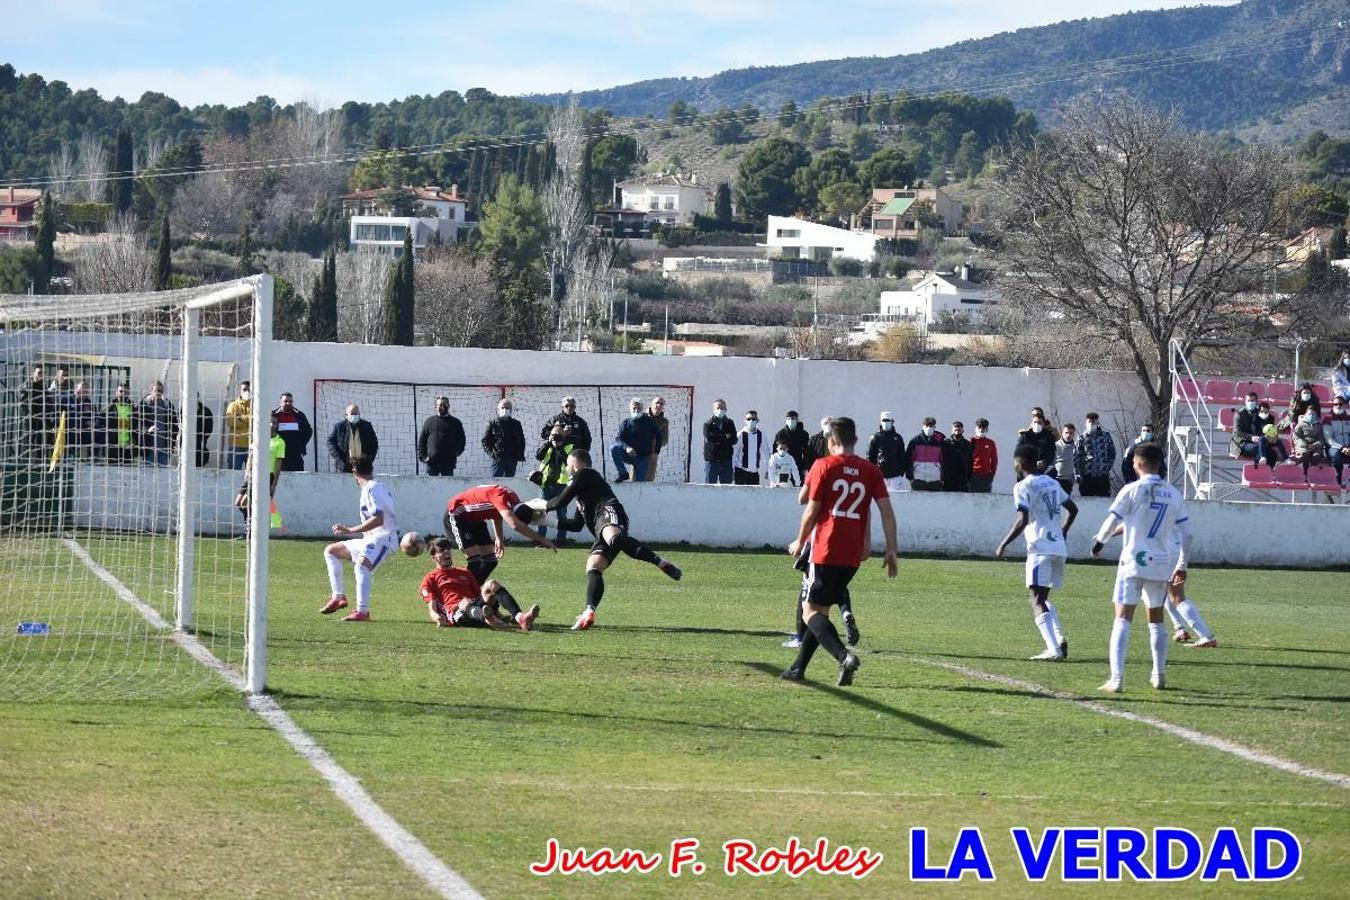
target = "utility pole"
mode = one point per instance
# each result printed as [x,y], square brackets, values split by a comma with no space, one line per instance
[815,321]
[625,321]
[667,346]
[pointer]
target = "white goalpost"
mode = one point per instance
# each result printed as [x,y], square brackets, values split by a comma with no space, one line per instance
[127,557]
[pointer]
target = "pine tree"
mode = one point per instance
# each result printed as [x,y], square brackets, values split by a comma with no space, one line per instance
[46,246]
[399,299]
[122,183]
[163,266]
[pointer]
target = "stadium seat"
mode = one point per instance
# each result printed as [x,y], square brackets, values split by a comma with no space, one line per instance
[1258,477]
[1243,388]
[1226,417]
[1219,390]
[1323,478]
[1323,394]
[1279,393]
[1186,388]
[1290,477]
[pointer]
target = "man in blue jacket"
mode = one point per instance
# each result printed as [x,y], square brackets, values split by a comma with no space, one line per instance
[638,437]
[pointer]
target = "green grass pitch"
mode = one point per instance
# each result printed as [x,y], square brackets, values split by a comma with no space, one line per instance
[667,721]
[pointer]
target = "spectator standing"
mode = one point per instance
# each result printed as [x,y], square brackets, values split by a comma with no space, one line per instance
[120,432]
[504,441]
[1127,471]
[552,472]
[206,426]
[1245,430]
[958,459]
[62,390]
[782,467]
[38,409]
[294,428]
[1310,444]
[925,457]
[638,437]
[794,434]
[1340,377]
[1336,428]
[1040,436]
[816,447]
[441,441]
[1094,455]
[238,426]
[352,438]
[1269,447]
[81,422]
[983,459]
[719,440]
[657,411]
[1066,451]
[750,456]
[158,421]
[578,432]
[886,451]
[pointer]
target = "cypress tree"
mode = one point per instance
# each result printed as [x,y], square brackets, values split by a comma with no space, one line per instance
[321,313]
[46,246]
[244,250]
[722,203]
[399,299]
[122,165]
[474,185]
[163,266]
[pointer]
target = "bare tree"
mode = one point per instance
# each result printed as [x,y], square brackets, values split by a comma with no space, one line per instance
[92,184]
[1135,232]
[148,158]
[456,301]
[311,141]
[361,277]
[566,203]
[207,206]
[63,168]
[120,262]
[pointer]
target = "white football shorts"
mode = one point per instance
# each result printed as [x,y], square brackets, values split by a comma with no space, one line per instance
[1045,571]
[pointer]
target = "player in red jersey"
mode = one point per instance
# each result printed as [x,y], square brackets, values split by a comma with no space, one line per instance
[473,519]
[454,597]
[840,489]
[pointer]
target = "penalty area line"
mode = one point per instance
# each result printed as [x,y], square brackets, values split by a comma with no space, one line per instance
[442,879]
[1186,734]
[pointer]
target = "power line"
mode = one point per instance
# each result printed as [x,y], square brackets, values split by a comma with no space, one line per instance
[1109,68]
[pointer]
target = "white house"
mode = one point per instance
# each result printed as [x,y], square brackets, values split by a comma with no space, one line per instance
[439,215]
[790,238]
[934,294]
[666,199]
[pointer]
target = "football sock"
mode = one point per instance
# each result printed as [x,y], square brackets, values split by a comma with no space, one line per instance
[828,636]
[481,566]
[801,598]
[595,587]
[846,603]
[636,550]
[1120,642]
[1172,613]
[506,601]
[335,585]
[805,651]
[1157,642]
[1056,629]
[1191,614]
[1047,632]
[476,613]
[364,576]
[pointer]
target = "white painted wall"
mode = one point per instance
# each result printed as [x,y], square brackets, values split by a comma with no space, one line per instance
[839,242]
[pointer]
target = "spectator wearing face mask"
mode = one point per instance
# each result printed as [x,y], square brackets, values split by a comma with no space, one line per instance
[1094,455]
[238,426]
[815,447]
[1304,400]
[1310,443]
[578,432]
[750,455]
[1269,447]
[782,468]
[552,476]
[1246,431]
[794,434]
[1336,428]
[1127,472]
[925,457]
[983,459]
[719,440]
[957,459]
[352,438]
[1066,450]
[1041,437]
[886,451]
[639,437]
[1340,378]
[504,441]
[158,421]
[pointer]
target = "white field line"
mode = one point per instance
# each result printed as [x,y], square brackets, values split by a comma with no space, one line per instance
[426,865]
[1186,734]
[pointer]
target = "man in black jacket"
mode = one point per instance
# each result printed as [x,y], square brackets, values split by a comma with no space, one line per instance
[794,434]
[886,451]
[1042,437]
[504,441]
[352,438]
[578,432]
[441,441]
[719,440]
[957,459]
[206,424]
[815,447]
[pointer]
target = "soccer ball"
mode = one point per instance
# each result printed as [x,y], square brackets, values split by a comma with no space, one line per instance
[412,544]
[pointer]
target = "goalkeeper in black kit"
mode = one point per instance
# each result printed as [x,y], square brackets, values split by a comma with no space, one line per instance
[605,516]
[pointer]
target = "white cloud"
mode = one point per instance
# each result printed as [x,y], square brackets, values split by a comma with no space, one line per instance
[208,84]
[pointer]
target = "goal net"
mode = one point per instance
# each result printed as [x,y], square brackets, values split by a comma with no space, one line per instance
[396,410]
[123,552]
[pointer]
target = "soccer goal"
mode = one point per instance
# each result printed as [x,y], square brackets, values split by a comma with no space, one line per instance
[129,552]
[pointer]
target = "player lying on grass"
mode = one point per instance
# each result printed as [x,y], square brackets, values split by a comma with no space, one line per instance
[454,596]
[1038,499]
[1157,540]
[605,516]
[473,519]
[370,542]
[840,490]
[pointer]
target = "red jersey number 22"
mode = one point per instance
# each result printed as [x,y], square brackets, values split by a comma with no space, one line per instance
[854,489]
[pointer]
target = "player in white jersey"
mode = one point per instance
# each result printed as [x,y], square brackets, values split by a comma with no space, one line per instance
[1151,511]
[1039,499]
[1182,611]
[369,543]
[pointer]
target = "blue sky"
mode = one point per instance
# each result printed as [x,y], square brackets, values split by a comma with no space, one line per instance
[214,52]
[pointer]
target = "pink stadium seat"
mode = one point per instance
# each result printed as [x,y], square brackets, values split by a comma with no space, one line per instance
[1290,477]
[1254,476]
[1323,394]
[1279,393]
[1188,388]
[1322,478]
[1243,388]
[1218,390]
[1226,417]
